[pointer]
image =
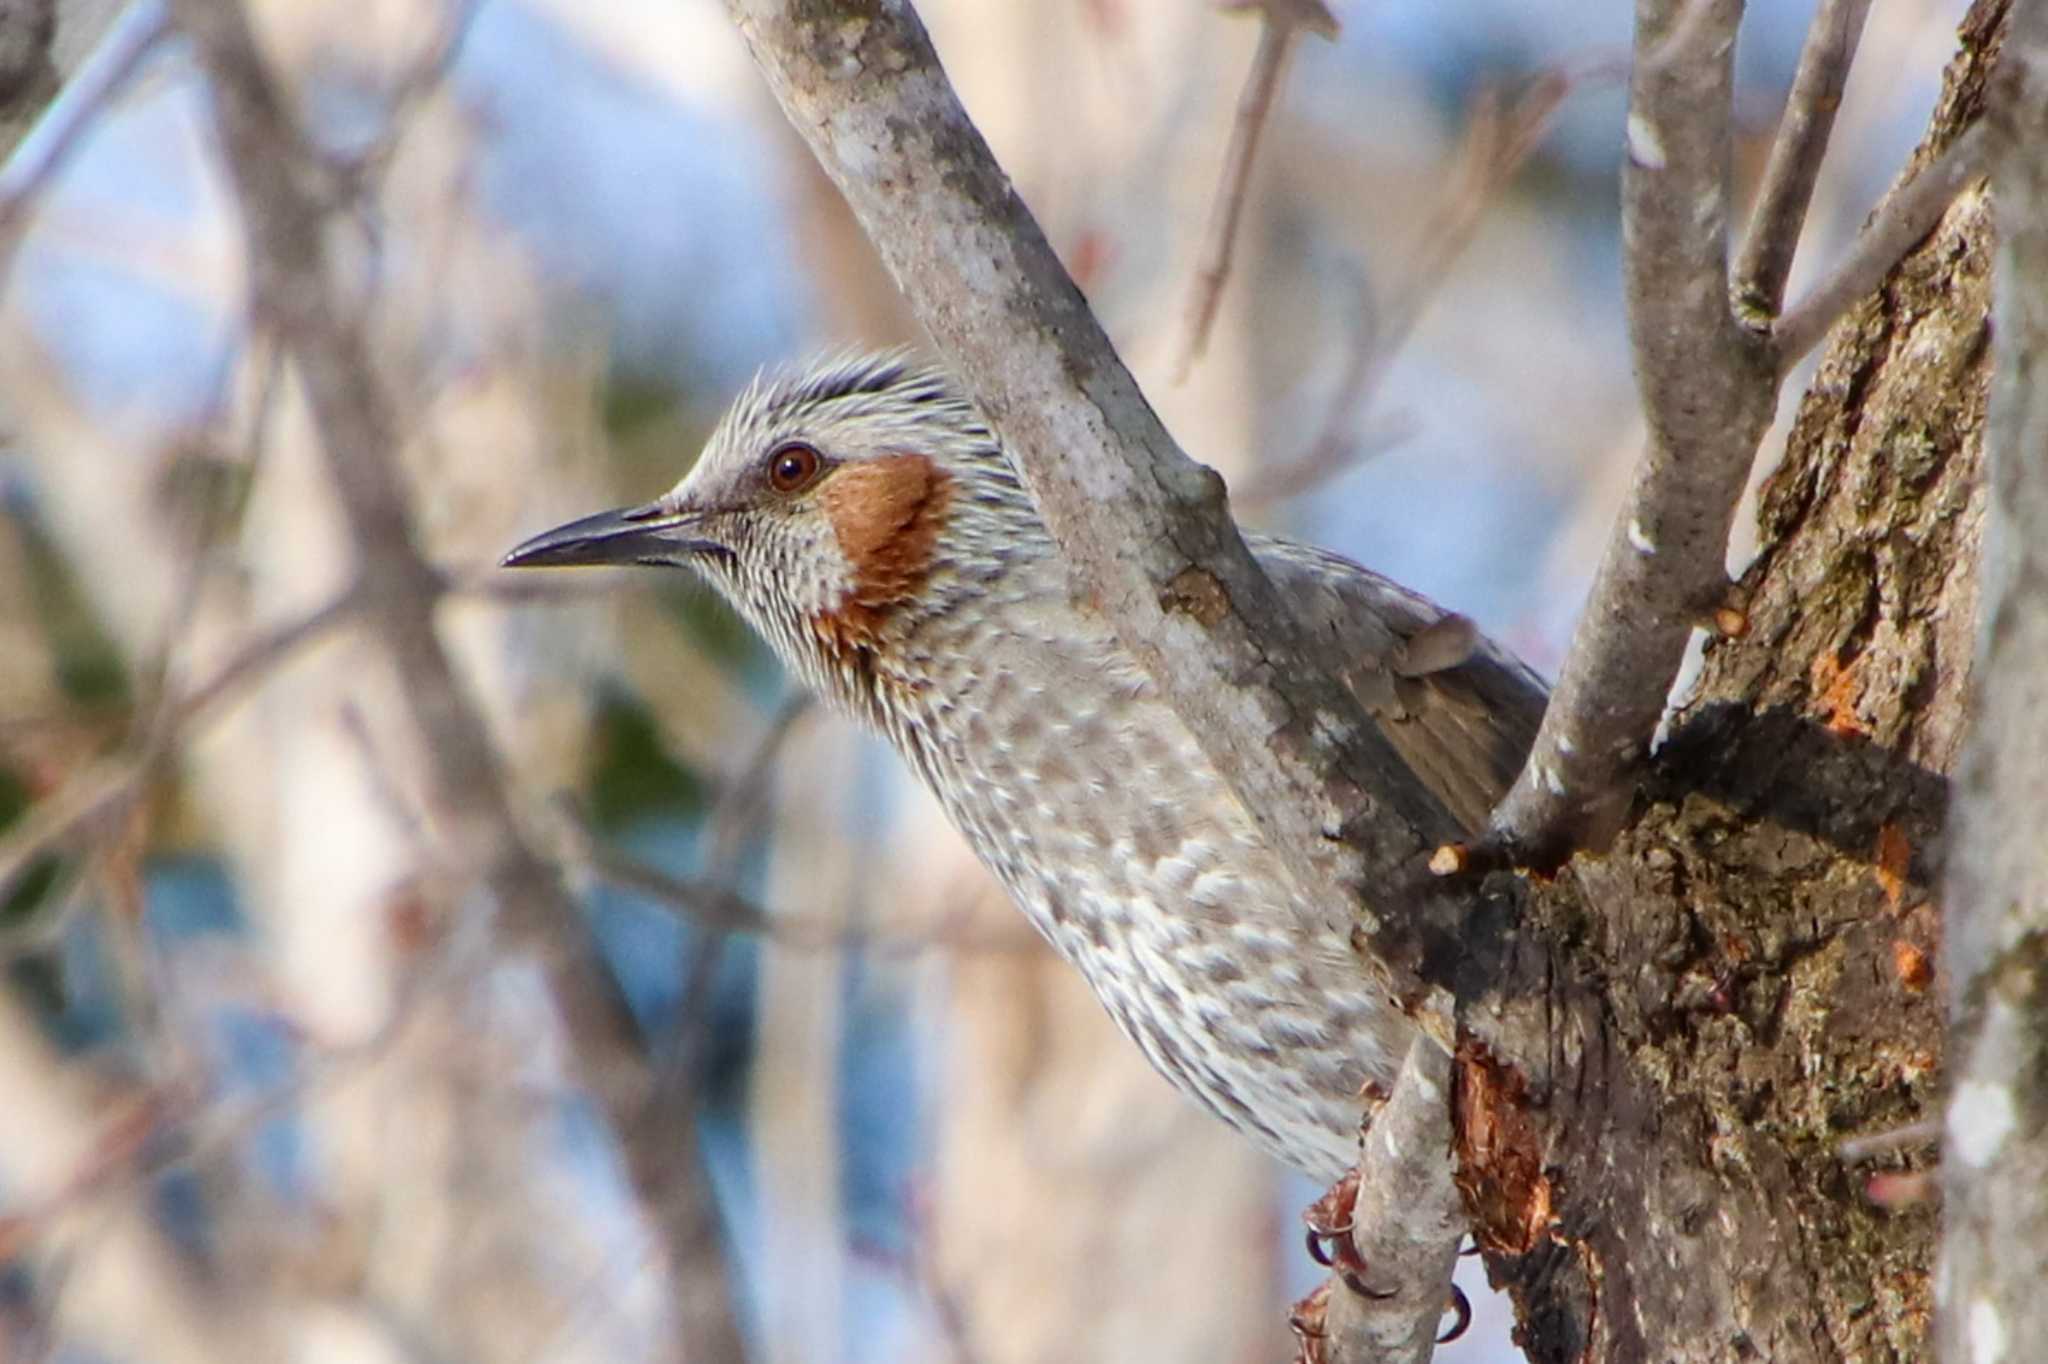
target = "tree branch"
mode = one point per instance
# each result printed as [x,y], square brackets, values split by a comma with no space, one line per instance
[1280,23]
[1499,136]
[1406,1222]
[1709,388]
[1802,142]
[92,798]
[715,907]
[1994,1167]
[1145,532]
[78,105]
[1908,214]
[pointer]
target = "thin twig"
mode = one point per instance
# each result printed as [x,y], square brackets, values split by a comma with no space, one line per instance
[1280,23]
[121,50]
[1906,216]
[687,1217]
[205,524]
[1870,1146]
[44,929]
[355,172]
[1709,390]
[92,798]
[1794,165]
[166,1127]
[1498,141]
[715,907]
[921,1266]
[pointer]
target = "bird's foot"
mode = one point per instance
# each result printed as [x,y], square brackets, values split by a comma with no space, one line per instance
[1329,1221]
[1306,1321]
[1329,1235]
[1309,1321]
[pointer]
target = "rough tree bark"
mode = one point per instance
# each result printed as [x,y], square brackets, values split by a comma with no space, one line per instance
[1765,924]
[1658,1056]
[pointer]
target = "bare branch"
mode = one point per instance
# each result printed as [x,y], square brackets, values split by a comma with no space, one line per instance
[1498,140]
[177,1122]
[1787,188]
[129,1296]
[1280,23]
[1908,214]
[1875,1144]
[355,169]
[294,295]
[1994,1166]
[1406,1222]
[1709,387]
[716,907]
[83,99]
[1145,532]
[97,796]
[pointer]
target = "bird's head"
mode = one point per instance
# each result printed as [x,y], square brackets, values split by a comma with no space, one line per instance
[836,507]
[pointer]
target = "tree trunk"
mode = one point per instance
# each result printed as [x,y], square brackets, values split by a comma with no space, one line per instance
[1763,932]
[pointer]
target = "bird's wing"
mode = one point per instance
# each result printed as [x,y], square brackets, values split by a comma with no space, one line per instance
[1460,710]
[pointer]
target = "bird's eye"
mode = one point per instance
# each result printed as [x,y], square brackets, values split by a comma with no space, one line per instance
[792,467]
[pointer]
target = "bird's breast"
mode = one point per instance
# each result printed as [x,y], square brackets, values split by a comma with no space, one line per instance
[1099,813]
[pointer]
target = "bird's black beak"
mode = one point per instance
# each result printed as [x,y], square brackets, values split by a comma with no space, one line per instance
[652,534]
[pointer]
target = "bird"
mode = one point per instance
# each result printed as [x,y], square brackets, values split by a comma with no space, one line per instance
[862,517]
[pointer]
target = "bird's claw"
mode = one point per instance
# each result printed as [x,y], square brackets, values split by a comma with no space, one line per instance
[1329,1236]
[1462,1306]
[1321,1242]
[1306,1321]
[1329,1223]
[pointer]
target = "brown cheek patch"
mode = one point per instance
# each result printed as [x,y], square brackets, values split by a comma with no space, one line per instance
[887,514]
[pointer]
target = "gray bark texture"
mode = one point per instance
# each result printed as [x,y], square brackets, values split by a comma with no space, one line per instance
[1989,1302]
[1658,1055]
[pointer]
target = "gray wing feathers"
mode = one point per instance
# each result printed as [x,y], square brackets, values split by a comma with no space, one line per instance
[1459,709]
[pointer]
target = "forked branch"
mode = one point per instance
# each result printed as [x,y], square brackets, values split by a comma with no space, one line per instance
[1779,216]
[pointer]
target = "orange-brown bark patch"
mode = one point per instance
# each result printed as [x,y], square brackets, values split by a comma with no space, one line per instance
[887,515]
[1893,860]
[1910,963]
[1837,690]
[1500,1160]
